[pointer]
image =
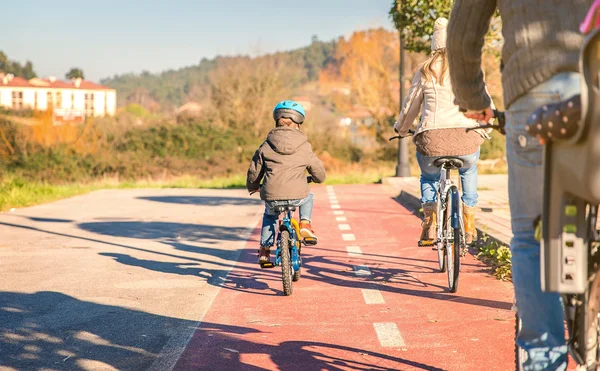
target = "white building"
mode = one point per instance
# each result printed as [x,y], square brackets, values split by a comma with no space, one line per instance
[67,98]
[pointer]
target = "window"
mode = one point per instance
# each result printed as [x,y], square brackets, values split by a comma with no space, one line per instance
[35,100]
[17,99]
[49,102]
[106,103]
[73,100]
[58,101]
[89,104]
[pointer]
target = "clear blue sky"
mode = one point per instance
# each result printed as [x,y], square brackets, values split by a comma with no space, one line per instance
[107,37]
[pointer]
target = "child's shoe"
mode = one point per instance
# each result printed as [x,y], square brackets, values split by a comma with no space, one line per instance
[306,232]
[264,256]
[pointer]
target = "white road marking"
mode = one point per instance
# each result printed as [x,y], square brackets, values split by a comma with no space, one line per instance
[354,250]
[388,334]
[373,296]
[338,212]
[336,206]
[341,219]
[348,237]
[329,188]
[344,227]
[361,270]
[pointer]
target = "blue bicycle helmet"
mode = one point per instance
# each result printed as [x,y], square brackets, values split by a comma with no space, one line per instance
[290,110]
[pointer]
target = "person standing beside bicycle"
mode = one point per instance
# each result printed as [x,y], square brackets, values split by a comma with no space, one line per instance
[541,64]
[440,133]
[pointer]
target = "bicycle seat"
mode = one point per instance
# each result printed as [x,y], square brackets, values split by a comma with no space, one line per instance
[284,208]
[449,162]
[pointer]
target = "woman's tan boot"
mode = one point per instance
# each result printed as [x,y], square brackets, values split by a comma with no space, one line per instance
[469,220]
[429,224]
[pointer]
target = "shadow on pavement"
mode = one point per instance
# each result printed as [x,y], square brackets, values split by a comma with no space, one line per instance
[211,349]
[166,231]
[50,330]
[342,274]
[204,200]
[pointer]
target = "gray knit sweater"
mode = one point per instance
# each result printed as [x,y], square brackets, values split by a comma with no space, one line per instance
[541,39]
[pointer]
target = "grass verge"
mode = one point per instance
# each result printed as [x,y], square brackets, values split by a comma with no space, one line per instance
[497,256]
[17,193]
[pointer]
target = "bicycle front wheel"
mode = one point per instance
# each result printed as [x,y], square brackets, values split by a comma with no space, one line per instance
[286,263]
[453,240]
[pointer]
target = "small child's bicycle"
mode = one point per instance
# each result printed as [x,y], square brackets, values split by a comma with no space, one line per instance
[289,245]
[288,248]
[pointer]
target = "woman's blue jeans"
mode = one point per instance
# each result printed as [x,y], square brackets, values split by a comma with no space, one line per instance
[542,334]
[269,224]
[430,175]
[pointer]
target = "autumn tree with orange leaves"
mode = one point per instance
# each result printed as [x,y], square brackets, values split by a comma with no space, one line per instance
[369,62]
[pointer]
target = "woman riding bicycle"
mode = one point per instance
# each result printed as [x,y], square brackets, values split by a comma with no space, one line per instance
[440,133]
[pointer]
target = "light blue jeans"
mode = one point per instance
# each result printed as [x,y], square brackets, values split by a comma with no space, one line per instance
[270,218]
[430,175]
[542,334]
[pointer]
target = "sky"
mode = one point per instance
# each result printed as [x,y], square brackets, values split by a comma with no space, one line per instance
[108,37]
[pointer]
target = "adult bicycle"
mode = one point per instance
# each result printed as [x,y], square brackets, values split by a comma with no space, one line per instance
[450,242]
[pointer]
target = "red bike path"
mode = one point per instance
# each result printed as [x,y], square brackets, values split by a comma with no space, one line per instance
[369,299]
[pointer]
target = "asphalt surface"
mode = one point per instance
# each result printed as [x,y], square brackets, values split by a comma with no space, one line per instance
[116,279]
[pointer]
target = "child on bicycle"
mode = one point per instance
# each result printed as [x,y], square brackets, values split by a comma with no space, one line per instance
[281,163]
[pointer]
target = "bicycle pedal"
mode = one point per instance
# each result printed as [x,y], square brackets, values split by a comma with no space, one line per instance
[309,241]
[426,243]
[267,265]
[463,252]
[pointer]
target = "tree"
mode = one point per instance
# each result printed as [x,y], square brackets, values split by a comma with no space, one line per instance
[75,73]
[369,62]
[415,19]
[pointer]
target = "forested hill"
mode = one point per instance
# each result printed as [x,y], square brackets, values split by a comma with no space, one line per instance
[170,89]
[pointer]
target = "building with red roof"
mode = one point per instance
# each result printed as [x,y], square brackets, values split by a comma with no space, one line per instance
[75,98]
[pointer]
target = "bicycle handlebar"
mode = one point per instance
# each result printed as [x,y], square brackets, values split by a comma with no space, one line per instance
[498,115]
[410,133]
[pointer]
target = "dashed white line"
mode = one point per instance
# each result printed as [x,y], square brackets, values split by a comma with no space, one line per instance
[336,206]
[338,212]
[373,296]
[344,227]
[341,219]
[348,237]
[361,270]
[329,187]
[388,334]
[354,250]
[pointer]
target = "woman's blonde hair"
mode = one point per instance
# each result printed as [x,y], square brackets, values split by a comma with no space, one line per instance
[428,68]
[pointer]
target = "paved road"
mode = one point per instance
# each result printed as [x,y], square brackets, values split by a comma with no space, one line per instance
[143,280]
[115,279]
[369,299]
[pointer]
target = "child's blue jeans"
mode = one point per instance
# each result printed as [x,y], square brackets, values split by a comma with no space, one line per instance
[430,175]
[269,224]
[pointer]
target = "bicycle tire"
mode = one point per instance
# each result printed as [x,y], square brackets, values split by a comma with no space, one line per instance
[441,248]
[453,240]
[520,353]
[297,274]
[286,263]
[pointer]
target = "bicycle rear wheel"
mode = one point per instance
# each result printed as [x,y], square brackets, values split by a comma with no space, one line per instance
[441,245]
[453,237]
[520,353]
[286,263]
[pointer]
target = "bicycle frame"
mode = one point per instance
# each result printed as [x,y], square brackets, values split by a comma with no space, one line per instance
[289,224]
[456,218]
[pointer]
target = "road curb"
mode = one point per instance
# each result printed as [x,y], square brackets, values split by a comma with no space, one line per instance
[413,203]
